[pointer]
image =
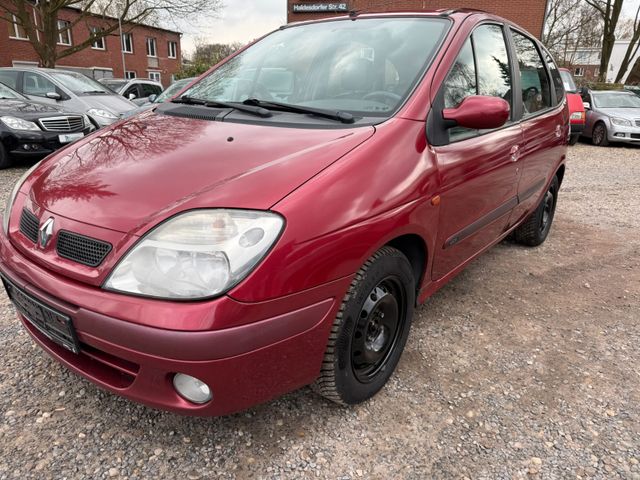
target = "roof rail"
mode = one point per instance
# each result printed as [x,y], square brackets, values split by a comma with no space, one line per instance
[450,11]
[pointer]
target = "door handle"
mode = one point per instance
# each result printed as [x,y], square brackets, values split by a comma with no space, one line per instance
[515,153]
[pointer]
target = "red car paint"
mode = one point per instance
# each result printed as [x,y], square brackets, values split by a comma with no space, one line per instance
[577,113]
[344,192]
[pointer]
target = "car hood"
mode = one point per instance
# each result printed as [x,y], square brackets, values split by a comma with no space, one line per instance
[27,110]
[112,102]
[138,172]
[627,113]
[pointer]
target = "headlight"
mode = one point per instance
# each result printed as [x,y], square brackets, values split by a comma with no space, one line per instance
[12,198]
[103,117]
[622,122]
[197,254]
[19,124]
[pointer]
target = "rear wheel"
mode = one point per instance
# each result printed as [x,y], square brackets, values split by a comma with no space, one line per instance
[5,161]
[370,330]
[535,229]
[573,139]
[599,135]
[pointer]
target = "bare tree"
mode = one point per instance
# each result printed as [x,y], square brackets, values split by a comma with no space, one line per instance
[39,19]
[609,11]
[633,34]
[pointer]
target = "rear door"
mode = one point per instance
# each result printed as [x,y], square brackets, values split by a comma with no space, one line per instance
[478,174]
[545,120]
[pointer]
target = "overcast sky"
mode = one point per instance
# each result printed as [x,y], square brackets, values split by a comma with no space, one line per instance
[239,21]
[245,20]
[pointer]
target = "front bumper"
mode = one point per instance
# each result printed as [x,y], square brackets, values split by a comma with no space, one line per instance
[40,143]
[279,351]
[617,133]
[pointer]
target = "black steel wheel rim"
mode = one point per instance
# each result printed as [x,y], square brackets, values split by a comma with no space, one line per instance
[378,328]
[547,212]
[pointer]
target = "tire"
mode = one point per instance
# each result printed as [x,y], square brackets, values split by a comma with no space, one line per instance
[536,227]
[363,349]
[573,139]
[5,161]
[599,135]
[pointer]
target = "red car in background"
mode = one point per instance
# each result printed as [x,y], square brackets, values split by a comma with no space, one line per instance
[276,224]
[577,112]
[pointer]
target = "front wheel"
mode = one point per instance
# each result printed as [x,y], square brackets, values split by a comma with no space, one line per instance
[370,330]
[535,229]
[5,161]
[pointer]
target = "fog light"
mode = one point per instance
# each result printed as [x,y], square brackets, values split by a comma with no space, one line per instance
[619,135]
[192,389]
[26,146]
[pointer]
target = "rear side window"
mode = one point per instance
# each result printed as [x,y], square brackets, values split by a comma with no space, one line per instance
[534,81]
[150,89]
[10,79]
[555,78]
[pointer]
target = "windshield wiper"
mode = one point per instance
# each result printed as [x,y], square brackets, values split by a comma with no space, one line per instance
[344,117]
[254,110]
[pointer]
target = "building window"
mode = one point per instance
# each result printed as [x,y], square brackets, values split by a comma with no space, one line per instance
[98,43]
[129,74]
[173,49]
[155,76]
[578,72]
[127,42]
[151,47]
[64,32]
[18,30]
[596,72]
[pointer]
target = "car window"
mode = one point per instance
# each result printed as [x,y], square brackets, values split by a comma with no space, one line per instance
[6,92]
[150,89]
[534,81]
[80,84]
[132,89]
[9,78]
[558,83]
[615,100]
[489,74]
[567,80]
[367,67]
[461,81]
[172,90]
[36,84]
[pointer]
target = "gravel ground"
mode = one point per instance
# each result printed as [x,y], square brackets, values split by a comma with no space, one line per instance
[525,366]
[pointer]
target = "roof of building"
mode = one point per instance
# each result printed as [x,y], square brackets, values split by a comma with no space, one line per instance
[115,19]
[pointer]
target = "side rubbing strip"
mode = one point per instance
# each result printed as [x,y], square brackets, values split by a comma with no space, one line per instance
[481,222]
[531,190]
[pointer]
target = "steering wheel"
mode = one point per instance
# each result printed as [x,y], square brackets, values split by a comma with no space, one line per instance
[382,94]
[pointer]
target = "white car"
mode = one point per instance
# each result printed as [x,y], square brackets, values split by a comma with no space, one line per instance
[138,90]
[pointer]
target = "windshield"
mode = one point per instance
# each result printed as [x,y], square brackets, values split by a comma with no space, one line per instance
[367,67]
[6,92]
[616,100]
[80,84]
[114,85]
[172,90]
[567,81]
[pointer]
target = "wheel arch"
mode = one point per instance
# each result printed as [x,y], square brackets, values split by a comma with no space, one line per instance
[560,174]
[414,247]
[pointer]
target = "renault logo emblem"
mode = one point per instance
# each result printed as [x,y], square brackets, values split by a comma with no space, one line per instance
[45,233]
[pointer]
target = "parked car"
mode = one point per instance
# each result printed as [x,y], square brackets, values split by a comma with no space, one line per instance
[155,100]
[227,247]
[32,129]
[71,90]
[612,116]
[577,114]
[138,90]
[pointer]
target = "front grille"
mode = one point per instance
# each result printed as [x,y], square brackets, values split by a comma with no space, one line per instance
[81,249]
[62,124]
[29,225]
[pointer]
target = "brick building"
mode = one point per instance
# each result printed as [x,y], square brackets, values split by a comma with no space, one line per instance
[149,52]
[529,14]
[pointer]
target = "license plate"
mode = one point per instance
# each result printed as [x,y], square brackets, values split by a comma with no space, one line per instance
[70,137]
[56,326]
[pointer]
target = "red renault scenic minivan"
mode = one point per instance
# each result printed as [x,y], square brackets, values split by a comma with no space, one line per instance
[276,224]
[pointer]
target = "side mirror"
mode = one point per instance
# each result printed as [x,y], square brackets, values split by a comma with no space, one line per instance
[152,98]
[478,112]
[53,95]
[587,105]
[132,96]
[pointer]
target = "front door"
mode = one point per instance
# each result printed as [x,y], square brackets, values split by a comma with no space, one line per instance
[478,169]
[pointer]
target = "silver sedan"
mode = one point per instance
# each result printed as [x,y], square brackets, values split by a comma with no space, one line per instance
[612,116]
